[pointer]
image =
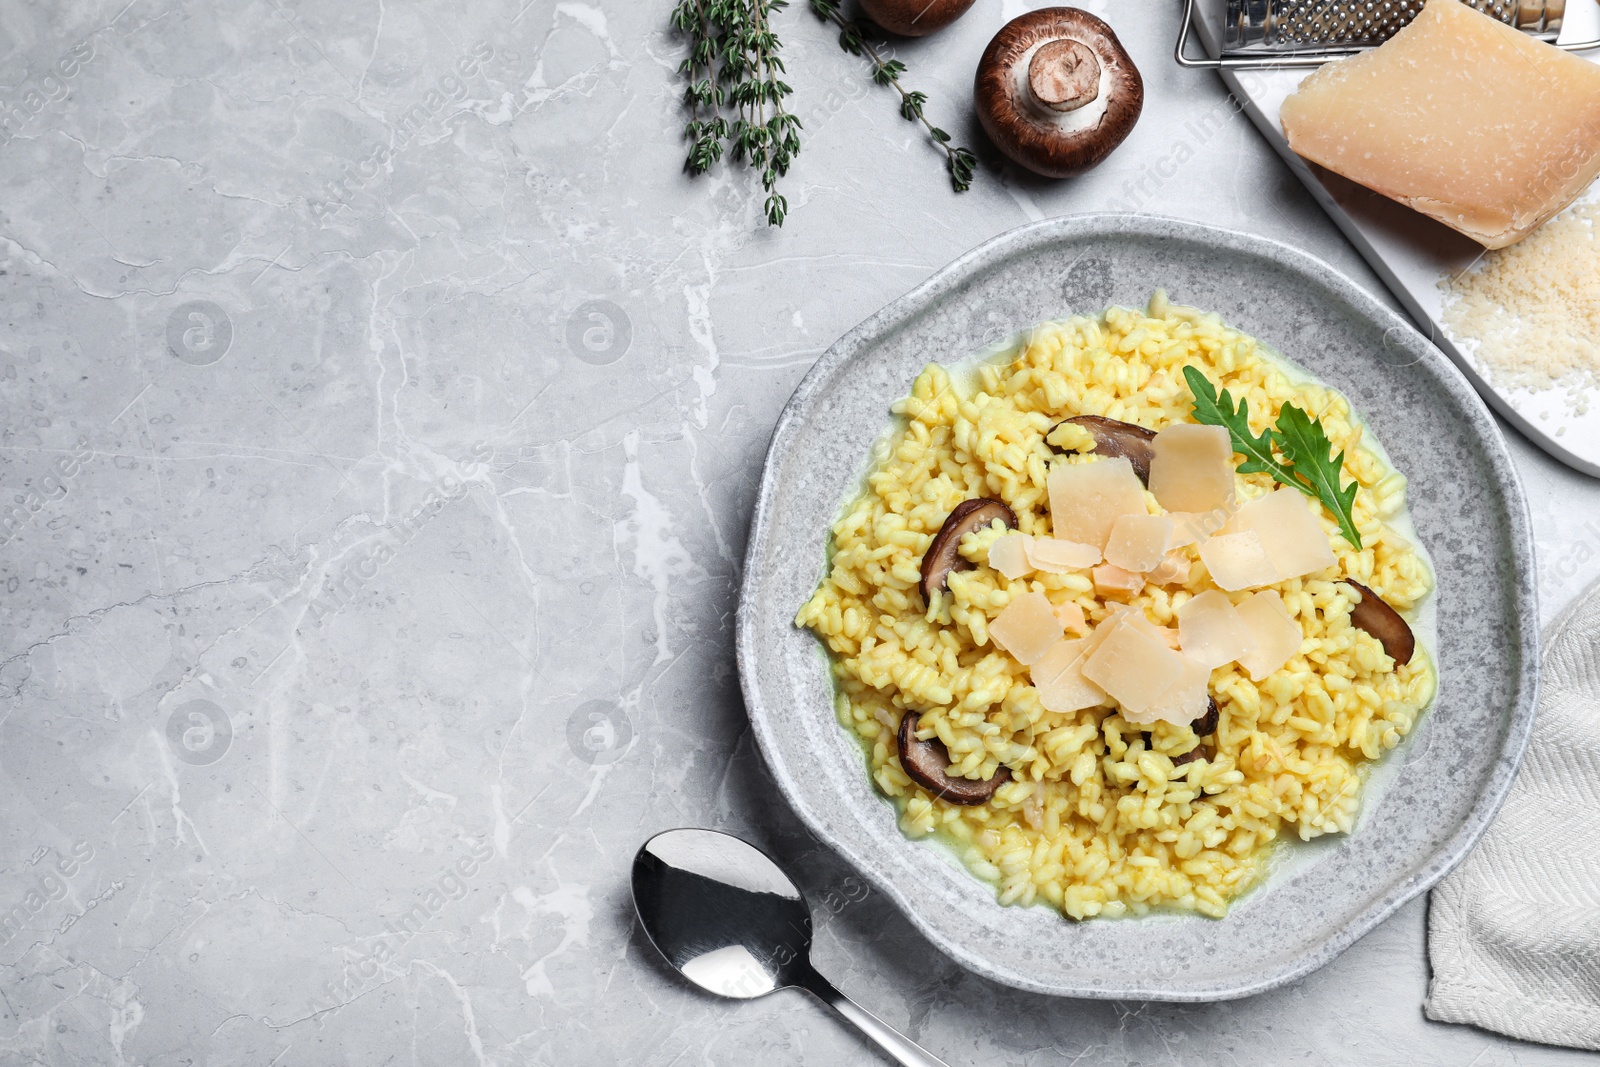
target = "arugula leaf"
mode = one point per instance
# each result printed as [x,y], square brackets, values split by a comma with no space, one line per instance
[1305,465]
[1306,446]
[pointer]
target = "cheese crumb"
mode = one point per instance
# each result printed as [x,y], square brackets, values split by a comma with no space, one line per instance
[1111,580]
[1172,570]
[1072,617]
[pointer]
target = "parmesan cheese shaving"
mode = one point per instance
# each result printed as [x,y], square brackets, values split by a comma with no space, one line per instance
[1238,561]
[1059,679]
[1009,555]
[1087,498]
[1292,538]
[1185,700]
[1211,631]
[1191,468]
[1138,542]
[1027,627]
[1055,556]
[1134,668]
[1275,636]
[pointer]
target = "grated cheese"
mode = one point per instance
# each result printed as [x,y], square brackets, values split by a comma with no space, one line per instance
[1534,308]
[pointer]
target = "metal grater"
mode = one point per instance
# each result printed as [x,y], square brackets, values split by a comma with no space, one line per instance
[1308,33]
[1291,25]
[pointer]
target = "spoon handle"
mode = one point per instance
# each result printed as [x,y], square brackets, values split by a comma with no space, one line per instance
[905,1051]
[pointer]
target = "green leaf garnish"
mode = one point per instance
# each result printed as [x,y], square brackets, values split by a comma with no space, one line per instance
[1305,464]
[1305,445]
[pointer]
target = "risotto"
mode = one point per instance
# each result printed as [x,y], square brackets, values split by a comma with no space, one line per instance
[1098,811]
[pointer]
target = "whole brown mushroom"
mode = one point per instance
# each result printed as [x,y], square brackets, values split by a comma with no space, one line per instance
[1056,91]
[914,18]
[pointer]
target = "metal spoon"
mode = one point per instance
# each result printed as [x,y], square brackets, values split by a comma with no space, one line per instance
[732,922]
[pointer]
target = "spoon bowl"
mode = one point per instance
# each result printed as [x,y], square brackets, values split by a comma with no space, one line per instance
[730,920]
[721,912]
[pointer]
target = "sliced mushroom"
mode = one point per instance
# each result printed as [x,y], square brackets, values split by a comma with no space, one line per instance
[927,763]
[1113,437]
[1056,91]
[944,554]
[1384,623]
[914,18]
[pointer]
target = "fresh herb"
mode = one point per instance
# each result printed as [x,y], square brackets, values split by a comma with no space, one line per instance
[733,70]
[854,37]
[1305,462]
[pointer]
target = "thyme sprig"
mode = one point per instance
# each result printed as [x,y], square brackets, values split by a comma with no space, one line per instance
[735,92]
[855,38]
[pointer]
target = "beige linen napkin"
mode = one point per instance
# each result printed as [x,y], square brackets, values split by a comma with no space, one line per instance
[1514,932]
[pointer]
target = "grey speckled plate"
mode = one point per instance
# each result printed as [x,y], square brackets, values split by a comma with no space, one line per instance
[1466,503]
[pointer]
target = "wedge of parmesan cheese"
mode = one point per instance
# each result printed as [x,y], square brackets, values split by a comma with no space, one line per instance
[1290,535]
[1134,668]
[1055,556]
[1009,555]
[1026,627]
[1191,468]
[1461,117]
[1138,542]
[1237,561]
[1211,631]
[1087,498]
[1275,636]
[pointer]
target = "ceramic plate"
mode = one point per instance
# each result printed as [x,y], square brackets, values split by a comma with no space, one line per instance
[1440,788]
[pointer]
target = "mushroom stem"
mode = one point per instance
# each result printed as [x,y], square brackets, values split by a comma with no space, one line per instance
[1064,75]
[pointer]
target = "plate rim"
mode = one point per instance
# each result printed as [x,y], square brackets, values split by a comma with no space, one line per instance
[1525,685]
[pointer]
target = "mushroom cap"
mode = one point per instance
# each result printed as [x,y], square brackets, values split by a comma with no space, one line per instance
[944,551]
[928,762]
[1375,616]
[1113,437]
[914,18]
[1032,96]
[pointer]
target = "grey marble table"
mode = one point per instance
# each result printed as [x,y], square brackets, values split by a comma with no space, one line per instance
[380,414]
